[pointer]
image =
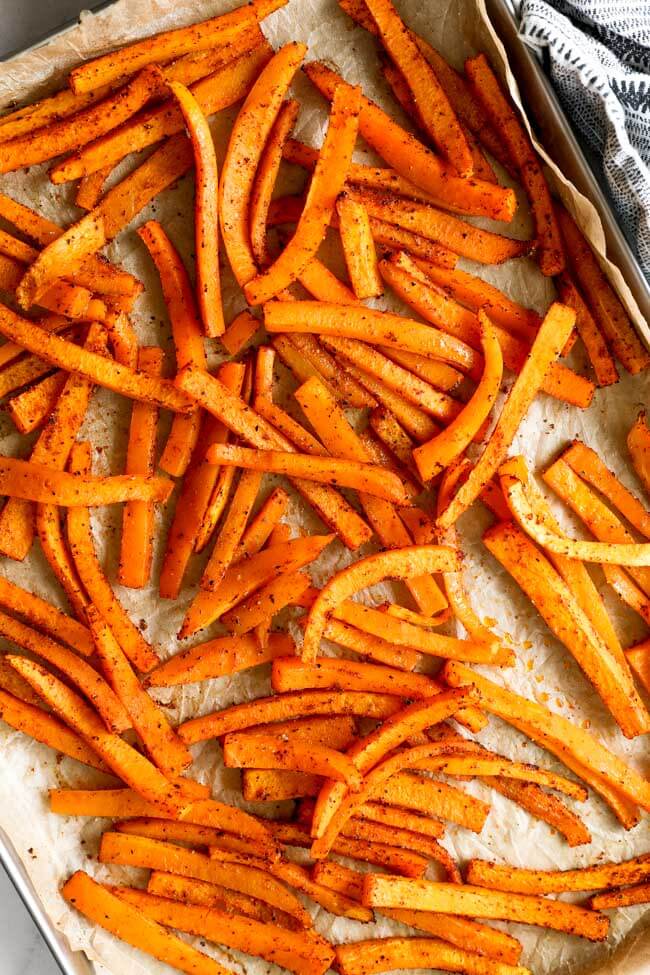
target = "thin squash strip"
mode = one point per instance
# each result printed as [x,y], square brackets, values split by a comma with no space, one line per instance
[280,708]
[413,287]
[157,855]
[433,107]
[396,238]
[453,83]
[475,901]
[579,581]
[233,526]
[365,645]
[597,516]
[496,876]
[548,344]
[127,803]
[475,293]
[245,577]
[371,956]
[128,923]
[70,357]
[606,307]
[333,428]
[41,726]
[428,221]
[455,589]
[348,390]
[638,445]
[78,671]
[217,658]
[136,544]
[38,482]
[257,532]
[553,599]
[292,950]
[332,470]
[489,93]
[516,486]
[367,325]
[51,449]
[196,492]
[61,297]
[400,89]
[403,633]
[63,256]
[126,199]
[186,332]
[430,797]
[432,457]
[206,218]
[618,784]
[128,764]
[437,374]
[412,160]
[595,346]
[225,86]
[323,284]
[404,563]
[161,743]
[96,274]
[217,32]
[38,114]
[248,138]
[191,891]
[285,424]
[265,751]
[265,179]
[245,423]
[46,617]
[542,805]
[91,123]
[30,409]
[262,606]
[335,805]
[398,379]
[395,445]
[94,581]
[588,465]
[358,248]
[326,183]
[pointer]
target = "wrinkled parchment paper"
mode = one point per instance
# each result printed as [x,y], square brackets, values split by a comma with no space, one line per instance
[52,847]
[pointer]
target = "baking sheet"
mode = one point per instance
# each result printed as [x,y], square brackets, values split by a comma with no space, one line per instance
[52,847]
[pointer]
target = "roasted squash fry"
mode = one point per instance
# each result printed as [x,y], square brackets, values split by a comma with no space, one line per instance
[463,899]
[387,954]
[489,93]
[245,148]
[447,445]
[206,219]
[638,444]
[410,159]
[547,346]
[402,563]
[186,331]
[265,751]
[285,706]
[128,923]
[327,181]
[47,729]
[497,876]
[136,547]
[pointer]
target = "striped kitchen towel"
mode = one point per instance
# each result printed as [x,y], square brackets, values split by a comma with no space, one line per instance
[599,54]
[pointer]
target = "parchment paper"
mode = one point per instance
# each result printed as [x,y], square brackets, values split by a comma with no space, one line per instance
[52,847]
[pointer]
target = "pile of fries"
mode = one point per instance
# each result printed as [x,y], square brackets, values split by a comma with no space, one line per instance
[395,426]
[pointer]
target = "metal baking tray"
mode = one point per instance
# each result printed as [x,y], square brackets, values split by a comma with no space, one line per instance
[562,145]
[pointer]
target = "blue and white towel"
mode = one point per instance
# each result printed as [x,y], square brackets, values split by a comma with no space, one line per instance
[599,53]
